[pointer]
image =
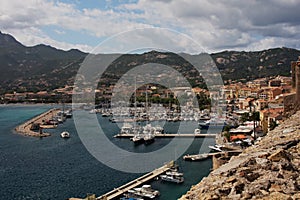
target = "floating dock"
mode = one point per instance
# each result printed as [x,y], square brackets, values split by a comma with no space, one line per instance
[167,135]
[117,192]
[24,129]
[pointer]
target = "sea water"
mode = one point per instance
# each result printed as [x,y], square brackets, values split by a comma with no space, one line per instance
[56,168]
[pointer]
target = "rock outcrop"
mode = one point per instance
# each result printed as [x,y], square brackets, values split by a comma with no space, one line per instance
[268,170]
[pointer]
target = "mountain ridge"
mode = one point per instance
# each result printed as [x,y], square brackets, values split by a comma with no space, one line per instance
[42,67]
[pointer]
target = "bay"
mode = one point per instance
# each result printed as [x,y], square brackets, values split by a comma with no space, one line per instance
[55,168]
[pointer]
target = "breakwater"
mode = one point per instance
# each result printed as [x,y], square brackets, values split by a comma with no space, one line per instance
[25,128]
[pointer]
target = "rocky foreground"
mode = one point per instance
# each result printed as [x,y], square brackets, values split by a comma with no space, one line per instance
[268,170]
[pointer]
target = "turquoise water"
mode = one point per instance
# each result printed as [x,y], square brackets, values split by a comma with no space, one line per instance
[54,168]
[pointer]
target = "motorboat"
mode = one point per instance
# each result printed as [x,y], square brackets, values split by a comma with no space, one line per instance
[197,131]
[137,139]
[144,192]
[196,157]
[170,178]
[65,134]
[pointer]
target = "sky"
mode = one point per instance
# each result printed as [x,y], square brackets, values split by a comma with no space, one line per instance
[215,25]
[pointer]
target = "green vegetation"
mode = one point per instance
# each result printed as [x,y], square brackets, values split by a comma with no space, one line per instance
[44,68]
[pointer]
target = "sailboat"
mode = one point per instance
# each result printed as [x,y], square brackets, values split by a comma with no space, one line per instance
[137,138]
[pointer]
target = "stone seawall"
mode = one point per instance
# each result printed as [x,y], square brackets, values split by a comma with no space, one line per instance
[268,170]
[24,128]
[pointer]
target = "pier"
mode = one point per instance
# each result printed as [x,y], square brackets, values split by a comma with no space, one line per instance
[168,135]
[132,184]
[25,129]
[213,154]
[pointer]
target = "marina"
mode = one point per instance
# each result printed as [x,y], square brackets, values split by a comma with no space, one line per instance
[169,135]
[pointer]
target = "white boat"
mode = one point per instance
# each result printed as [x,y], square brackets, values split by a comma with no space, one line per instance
[196,157]
[137,139]
[148,133]
[126,128]
[170,178]
[216,147]
[65,134]
[145,192]
[174,173]
[197,131]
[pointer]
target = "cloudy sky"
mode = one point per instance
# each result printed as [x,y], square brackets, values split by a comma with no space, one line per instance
[214,24]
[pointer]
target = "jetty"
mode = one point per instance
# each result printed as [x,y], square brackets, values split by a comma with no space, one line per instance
[117,192]
[198,157]
[167,135]
[25,128]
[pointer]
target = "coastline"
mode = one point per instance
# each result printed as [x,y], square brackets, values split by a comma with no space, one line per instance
[24,129]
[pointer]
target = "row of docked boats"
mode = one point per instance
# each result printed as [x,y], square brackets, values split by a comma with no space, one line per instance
[155,112]
[140,193]
[147,192]
[172,176]
[141,134]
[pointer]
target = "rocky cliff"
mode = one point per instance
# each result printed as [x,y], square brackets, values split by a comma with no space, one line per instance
[268,170]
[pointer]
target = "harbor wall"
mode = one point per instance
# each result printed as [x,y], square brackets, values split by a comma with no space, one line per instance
[24,128]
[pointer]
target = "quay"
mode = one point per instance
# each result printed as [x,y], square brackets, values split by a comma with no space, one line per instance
[117,192]
[25,128]
[167,135]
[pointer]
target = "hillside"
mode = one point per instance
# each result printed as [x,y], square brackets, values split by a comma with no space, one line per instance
[250,65]
[43,67]
[268,170]
[37,67]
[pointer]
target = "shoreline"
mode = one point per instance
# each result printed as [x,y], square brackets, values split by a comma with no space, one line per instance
[24,129]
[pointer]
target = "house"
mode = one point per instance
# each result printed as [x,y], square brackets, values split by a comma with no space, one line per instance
[267,115]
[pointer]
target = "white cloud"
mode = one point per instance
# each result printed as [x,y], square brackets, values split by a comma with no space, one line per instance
[216,25]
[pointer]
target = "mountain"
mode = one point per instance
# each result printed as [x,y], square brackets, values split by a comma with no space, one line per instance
[43,67]
[35,68]
[250,65]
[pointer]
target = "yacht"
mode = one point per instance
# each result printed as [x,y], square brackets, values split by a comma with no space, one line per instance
[126,128]
[65,134]
[144,192]
[148,133]
[170,178]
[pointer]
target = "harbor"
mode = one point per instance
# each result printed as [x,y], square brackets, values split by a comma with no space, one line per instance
[169,135]
[80,170]
[27,128]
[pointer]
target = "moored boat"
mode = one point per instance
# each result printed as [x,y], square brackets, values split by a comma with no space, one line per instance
[196,157]
[170,178]
[144,192]
[173,176]
[65,134]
